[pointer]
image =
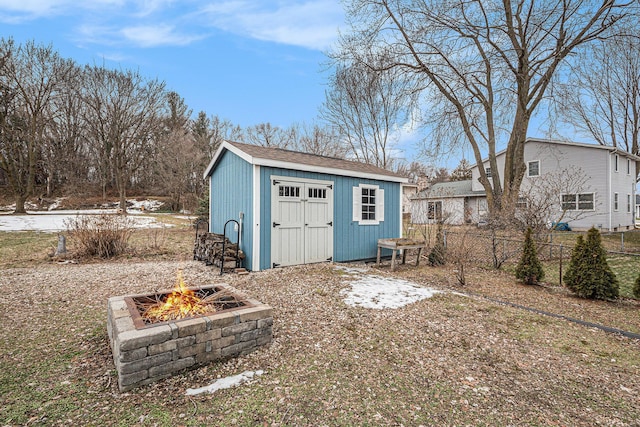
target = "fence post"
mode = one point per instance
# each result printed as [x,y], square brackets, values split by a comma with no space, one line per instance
[444,238]
[622,241]
[560,264]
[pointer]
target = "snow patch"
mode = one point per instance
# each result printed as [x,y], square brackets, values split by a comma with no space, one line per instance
[384,292]
[55,221]
[223,383]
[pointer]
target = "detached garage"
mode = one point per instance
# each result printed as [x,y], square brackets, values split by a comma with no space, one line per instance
[298,208]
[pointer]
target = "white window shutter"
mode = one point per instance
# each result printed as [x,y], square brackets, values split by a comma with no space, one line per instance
[357,204]
[380,205]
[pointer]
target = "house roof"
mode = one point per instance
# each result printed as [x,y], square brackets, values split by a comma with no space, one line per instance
[449,189]
[571,143]
[287,159]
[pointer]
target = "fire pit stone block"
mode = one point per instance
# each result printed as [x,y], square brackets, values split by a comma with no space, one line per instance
[143,355]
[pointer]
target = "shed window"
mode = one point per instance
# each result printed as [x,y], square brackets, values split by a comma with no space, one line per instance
[317,193]
[289,191]
[368,204]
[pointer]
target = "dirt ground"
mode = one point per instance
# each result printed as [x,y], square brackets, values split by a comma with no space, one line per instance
[451,359]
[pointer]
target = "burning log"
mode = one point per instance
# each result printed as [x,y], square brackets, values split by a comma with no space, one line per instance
[208,248]
[183,302]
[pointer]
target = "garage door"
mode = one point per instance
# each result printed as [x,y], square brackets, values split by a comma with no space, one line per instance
[302,222]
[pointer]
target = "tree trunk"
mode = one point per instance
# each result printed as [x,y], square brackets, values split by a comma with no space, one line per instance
[20,201]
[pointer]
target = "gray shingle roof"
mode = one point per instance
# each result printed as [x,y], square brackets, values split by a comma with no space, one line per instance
[306,161]
[449,189]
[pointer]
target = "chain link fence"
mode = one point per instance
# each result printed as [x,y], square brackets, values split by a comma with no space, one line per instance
[492,250]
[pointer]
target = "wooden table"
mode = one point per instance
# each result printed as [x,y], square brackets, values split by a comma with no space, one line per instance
[400,244]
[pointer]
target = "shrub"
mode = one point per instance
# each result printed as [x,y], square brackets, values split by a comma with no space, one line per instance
[438,252]
[636,287]
[529,269]
[589,274]
[103,235]
[202,212]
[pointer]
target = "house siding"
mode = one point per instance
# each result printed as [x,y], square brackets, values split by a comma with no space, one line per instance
[452,210]
[598,165]
[231,192]
[352,241]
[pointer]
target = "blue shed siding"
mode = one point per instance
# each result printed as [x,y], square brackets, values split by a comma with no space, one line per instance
[351,241]
[231,193]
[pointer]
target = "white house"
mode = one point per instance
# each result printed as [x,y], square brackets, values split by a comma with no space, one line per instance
[590,185]
[408,191]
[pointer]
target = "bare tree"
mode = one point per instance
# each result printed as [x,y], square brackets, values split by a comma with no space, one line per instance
[31,78]
[319,140]
[414,170]
[64,156]
[123,111]
[266,135]
[541,203]
[602,97]
[462,172]
[364,105]
[484,66]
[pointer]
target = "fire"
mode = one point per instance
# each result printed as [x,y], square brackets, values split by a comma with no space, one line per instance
[180,303]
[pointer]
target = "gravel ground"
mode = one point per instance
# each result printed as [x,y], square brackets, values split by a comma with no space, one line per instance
[446,360]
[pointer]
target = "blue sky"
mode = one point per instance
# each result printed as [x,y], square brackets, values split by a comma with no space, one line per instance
[246,61]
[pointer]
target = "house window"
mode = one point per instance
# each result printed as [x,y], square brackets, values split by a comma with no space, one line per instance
[488,172]
[533,168]
[581,202]
[628,203]
[434,211]
[368,204]
[615,201]
[628,167]
[616,163]
[585,202]
[521,203]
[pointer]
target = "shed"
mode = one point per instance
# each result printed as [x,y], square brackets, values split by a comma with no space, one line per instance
[299,208]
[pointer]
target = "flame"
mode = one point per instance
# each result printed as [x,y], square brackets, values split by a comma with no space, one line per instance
[180,303]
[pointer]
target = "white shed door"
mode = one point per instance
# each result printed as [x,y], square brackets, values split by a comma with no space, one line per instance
[302,222]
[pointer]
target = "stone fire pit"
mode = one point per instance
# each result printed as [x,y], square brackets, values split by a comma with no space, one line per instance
[147,352]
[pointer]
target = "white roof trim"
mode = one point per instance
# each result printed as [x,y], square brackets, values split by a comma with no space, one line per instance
[570,143]
[297,166]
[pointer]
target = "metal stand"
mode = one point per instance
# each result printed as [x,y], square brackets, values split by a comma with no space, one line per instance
[225,241]
[200,221]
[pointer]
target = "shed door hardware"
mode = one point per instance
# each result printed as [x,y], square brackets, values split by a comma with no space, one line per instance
[276,182]
[330,224]
[330,186]
[330,258]
[275,224]
[275,265]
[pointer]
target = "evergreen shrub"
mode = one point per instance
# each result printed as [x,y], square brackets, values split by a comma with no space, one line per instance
[589,274]
[529,270]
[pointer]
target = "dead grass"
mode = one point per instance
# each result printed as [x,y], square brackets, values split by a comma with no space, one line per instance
[449,360]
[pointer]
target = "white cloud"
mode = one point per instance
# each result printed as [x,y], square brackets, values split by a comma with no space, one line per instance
[310,24]
[138,35]
[41,8]
[157,35]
